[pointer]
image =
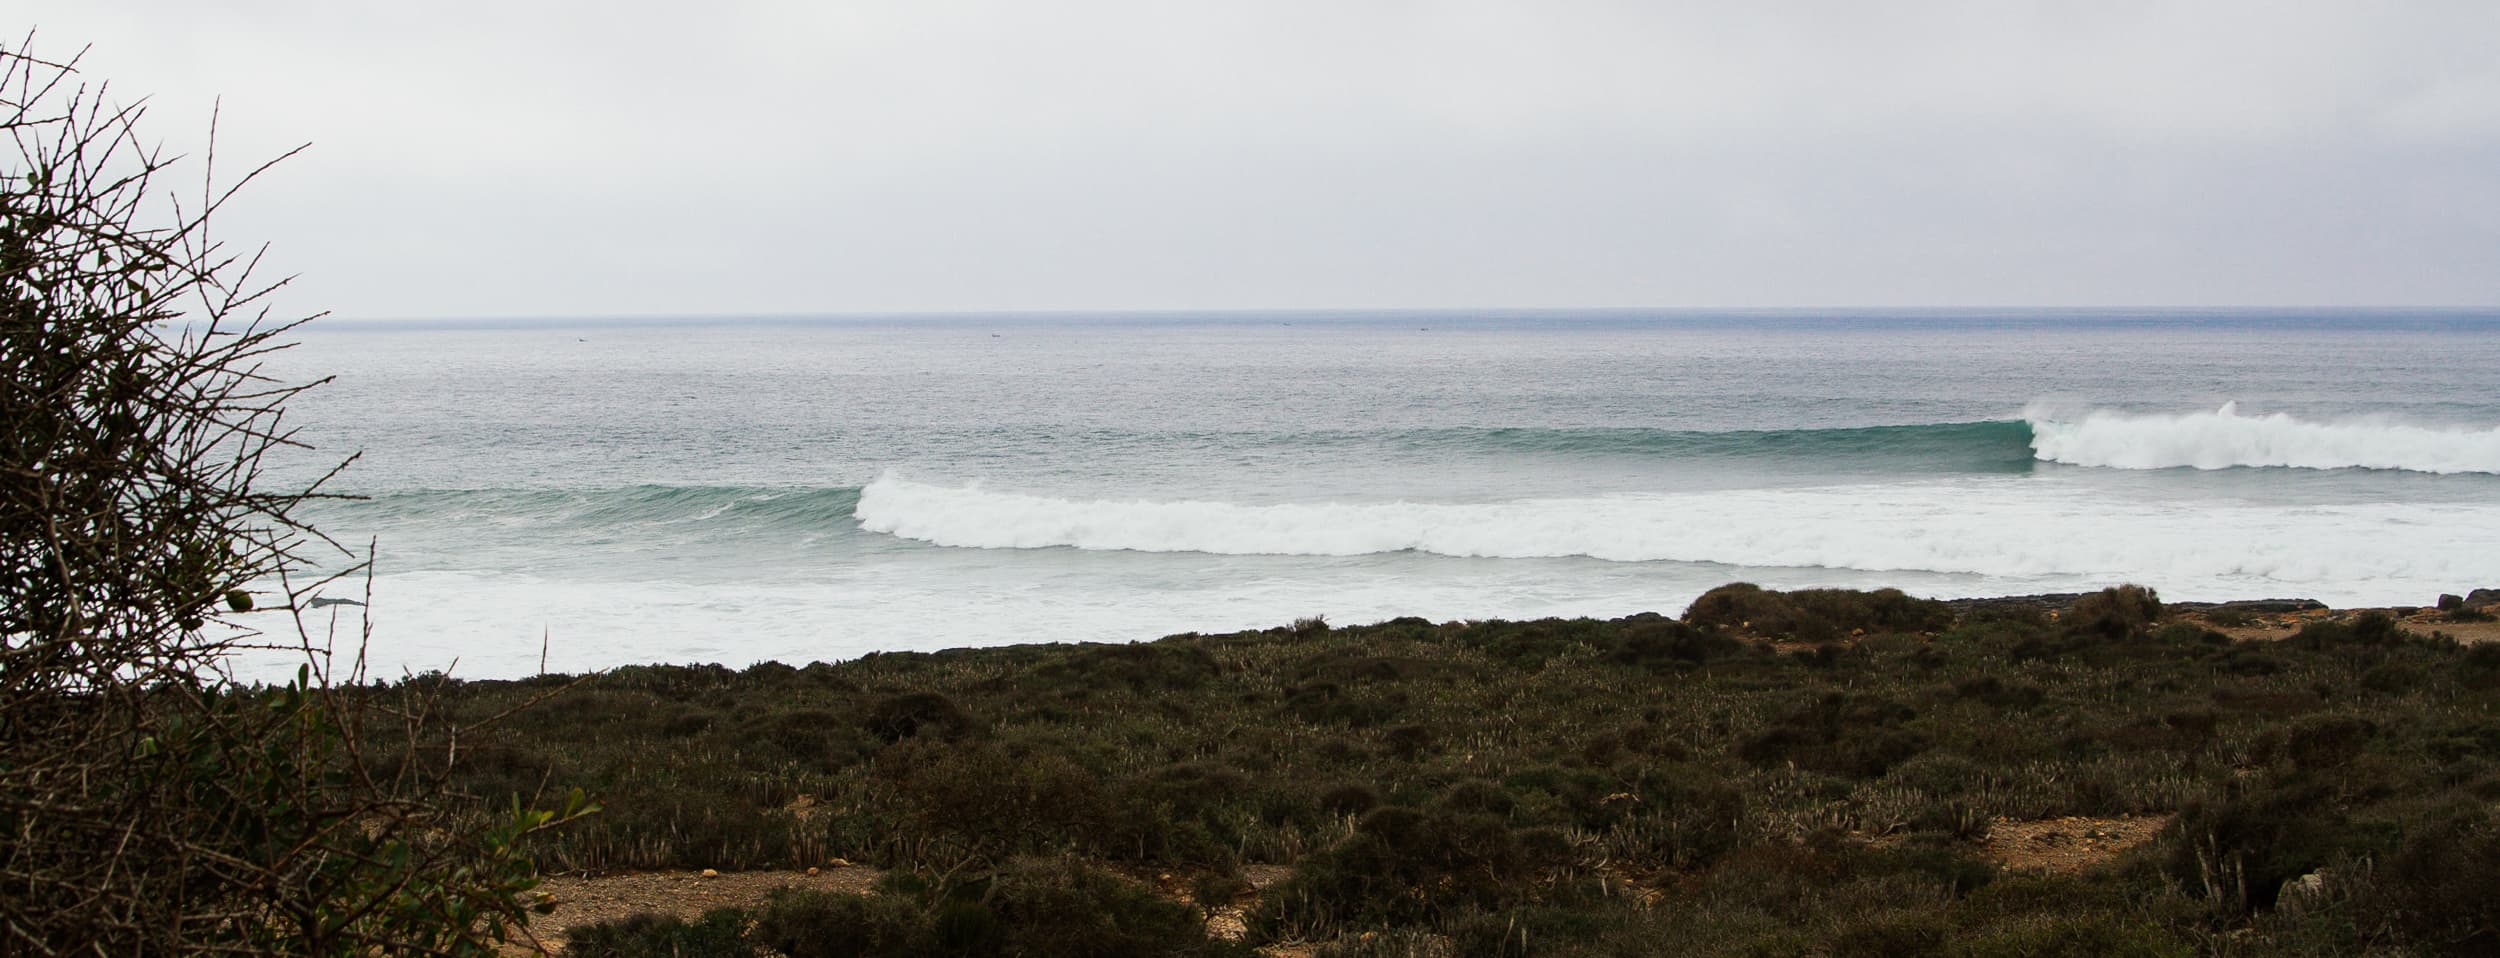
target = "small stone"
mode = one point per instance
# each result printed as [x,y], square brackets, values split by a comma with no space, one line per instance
[811,870]
[711,873]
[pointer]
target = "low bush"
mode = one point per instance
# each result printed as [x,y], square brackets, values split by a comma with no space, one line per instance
[2114,614]
[1400,867]
[720,933]
[1815,615]
[816,924]
[2237,851]
[919,713]
[2438,886]
[2369,629]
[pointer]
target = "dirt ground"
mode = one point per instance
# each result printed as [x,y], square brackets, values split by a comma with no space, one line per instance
[685,894]
[2067,844]
[584,901]
[2280,624]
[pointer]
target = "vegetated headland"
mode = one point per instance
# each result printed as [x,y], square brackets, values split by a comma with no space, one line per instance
[1821,772]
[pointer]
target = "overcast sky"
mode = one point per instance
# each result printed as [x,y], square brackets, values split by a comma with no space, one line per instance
[525,159]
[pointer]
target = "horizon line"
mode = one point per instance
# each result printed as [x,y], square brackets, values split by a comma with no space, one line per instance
[1351,311]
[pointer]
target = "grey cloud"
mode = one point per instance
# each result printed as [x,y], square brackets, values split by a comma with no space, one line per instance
[517,159]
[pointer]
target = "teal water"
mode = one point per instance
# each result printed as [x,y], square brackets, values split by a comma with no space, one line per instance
[735,490]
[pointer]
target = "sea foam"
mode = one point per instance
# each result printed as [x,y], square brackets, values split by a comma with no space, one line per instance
[1998,526]
[2224,439]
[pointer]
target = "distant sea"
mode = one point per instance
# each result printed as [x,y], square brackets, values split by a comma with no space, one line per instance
[725,490]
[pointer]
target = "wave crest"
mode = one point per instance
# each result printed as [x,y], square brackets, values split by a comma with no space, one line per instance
[2224,439]
[2007,527]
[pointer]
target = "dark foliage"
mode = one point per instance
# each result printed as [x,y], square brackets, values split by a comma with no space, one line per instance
[1815,615]
[1587,787]
[1033,908]
[720,933]
[147,804]
[918,713]
[2114,614]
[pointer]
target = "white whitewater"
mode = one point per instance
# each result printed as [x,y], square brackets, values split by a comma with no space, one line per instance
[2224,439]
[1997,526]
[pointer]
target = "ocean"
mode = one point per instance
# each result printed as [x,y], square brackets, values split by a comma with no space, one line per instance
[597,493]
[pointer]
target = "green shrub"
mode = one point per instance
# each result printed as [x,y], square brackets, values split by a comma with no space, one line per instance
[1529,930]
[1062,908]
[1882,610]
[2369,629]
[2237,851]
[1407,741]
[1997,692]
[720,933]
[1349,798]
[1915,933]
[2116,613]
[1161,666]
[1478,795]
[918,713]
[819,924]
[1745,606]
[1842,734]
[992,802]
[814,736]
[1400,867]
[1031,907]
[2438,885]
[1328,703]
[1815,615]
[1666,641]
[2325,742]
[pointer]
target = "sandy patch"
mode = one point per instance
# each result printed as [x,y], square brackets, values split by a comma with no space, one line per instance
[584,901]
[2069,844]
[2281,625]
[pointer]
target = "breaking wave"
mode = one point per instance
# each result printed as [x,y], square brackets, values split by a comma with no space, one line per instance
[2224,439]
[1991,526]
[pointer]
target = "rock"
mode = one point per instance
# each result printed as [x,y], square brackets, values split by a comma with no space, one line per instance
[2303,893]
[2252,606]
[811,870]
[2449,602]
[711,873]
[2482,597]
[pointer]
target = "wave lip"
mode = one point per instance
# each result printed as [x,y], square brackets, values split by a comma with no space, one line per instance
[2224,439]
[1996,445]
